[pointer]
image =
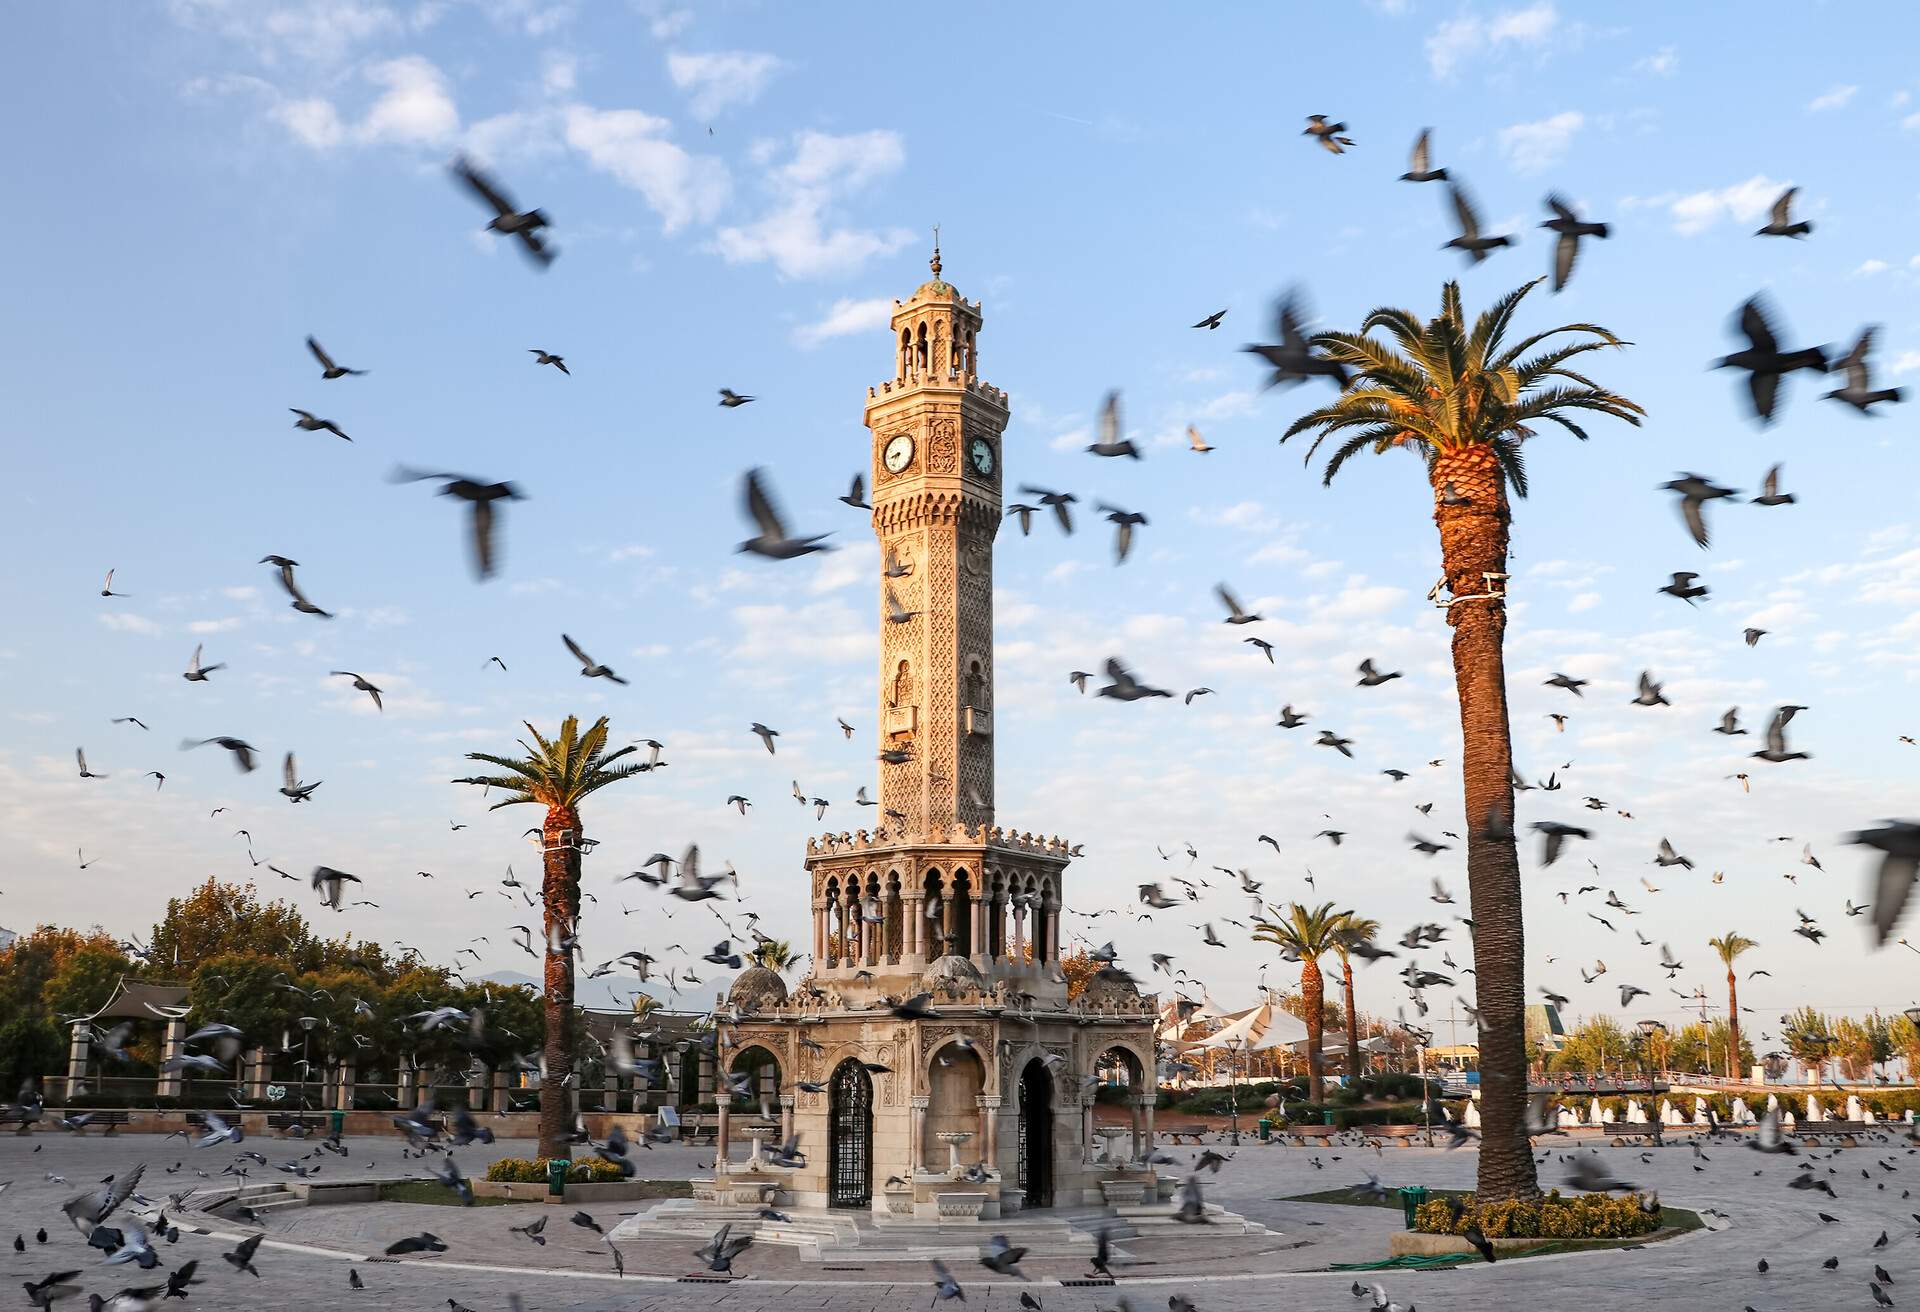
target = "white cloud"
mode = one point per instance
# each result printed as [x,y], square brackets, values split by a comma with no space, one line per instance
[1911,123]
[666,24]
[1836,98]
[1457,40]
[240,594]
[314,31]
[632,146]
[558,73]
[1584,601]
[794,236]
[416,108]
[1742,201]
[632,551]
[1661,63]
[125,622]
[846,317]
[1867,268]
[1906,362]
[721,79]
[226,625]
[1530,147]
[313,122]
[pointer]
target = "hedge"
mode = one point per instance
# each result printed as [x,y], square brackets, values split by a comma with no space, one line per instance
[1583,1216]
[584,1170]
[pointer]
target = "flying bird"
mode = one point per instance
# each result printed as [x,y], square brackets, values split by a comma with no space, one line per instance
[1112,440]
[1898,842]
[1859,391]
[1196,443]
[328,369]
[311,424]
[1764,360]
[361,685]
[730,399]
[1293,357]
[1684,587]
[1571,228]
[1780,222]
[285,568]
[1695,492]
[1420,165]
[508,220]
[1124,522]
[547,357]
[1469,241]
[242,751]
[1328,134]
[1212,320]
[772,540]
[477,493]
[590,668]
[857,494]
[1776,748]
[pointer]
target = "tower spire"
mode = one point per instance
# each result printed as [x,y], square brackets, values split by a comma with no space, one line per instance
[934,263]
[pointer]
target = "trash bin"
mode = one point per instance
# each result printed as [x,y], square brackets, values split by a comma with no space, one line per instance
[1266,1129]
[336,1123]
[1410,1199]
[557,1168]
[1328,1117]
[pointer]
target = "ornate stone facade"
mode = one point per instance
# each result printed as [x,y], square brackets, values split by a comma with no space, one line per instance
[936,898]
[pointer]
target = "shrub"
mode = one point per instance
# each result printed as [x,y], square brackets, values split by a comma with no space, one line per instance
[522,1170]
[1583,1216]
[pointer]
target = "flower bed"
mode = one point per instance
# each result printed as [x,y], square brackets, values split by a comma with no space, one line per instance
[523,1170]
[1582,1216]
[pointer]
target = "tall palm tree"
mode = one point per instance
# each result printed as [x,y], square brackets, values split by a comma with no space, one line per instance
[1305,935]
[1465,401]
[1353,929]
[1729,946]
[558,774]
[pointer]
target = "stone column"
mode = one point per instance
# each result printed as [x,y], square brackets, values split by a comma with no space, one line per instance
[256,1063]
[1133,1115]
[917,1135]
[849,926]
[404,1077]
[990,1130]
[343,1090]
[1016,949]
[501,1099]
[172,1045]
[704,1091]
[721,1137]
[870,938]
[79,1045]
[786,1117]
[820,932]
[1086,1129]
[1149,1102]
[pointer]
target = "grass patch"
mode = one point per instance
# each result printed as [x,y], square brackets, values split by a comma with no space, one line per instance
[1350,1198]
[435,1194]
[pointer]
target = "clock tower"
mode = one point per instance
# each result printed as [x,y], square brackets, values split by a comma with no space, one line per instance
[936,507]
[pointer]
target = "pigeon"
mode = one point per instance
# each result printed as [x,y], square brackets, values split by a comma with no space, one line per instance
[1293,357]
[856,496]
[1763,359]
[772,540]
[1420,165]
[1753,636]
[731,400]
[80,755]
[291,788]
[1058,500]
[1779,219]
[1372,678]
[1668,857]
[328,369]
[1859,391]
[1124,522]
[1289,718]
[328,882]
[86,1211]
[1262,645]
[360,685]
[300,602]
[1553,836]
[1469,241]
[241,1258]
[1112,443]
[1328,738]
[1568,682]
[719,1252]
[1776,748]
[45,1293]
[196,672]
[1328,134]
[1770,493]
[1124,687]
[1695,492]
[765,735]
[1650,692]
[1898,842]
[1730,722]
[1212,321]
[476,493]
[547,357]
[1195,443]
[590,668]
[1684,587]
[507,219]
[312,424]
[1002,1258]
[1236,614]
[242,751]
[424,1242]
[1571,228]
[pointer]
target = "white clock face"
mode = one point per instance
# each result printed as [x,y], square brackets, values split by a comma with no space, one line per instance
[981,452]
[899,453]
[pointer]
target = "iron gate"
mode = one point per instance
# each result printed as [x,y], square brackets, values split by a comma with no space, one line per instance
[850,1136]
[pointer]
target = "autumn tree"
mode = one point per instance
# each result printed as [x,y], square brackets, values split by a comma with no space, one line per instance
[220,919]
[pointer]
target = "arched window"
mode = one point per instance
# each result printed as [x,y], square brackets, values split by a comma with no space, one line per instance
[920,350]
[976,686]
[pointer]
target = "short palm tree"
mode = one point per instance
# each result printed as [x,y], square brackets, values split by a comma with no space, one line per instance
[1464,400]
[1729,946]
[1353,929]
[558,774]
[773,953]
[1305,935]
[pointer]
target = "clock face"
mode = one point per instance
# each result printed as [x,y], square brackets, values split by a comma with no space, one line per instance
[899,453]
[980,451]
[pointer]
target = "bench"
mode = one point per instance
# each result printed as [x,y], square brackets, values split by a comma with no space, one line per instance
[700,1127]
[284,1121]
[1174,1134]
[108,1120]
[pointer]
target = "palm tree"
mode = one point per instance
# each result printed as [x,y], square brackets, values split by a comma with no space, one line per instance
[773,953]
[1352,929]
[558,774]
[1306,935]
[1465,401]
[1730,945]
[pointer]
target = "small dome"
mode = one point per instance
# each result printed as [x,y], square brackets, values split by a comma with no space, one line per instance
[936,287]
[953,972]
[758,987]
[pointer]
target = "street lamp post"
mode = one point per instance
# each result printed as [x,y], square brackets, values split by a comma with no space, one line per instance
[1233,1096]
[1648,1028]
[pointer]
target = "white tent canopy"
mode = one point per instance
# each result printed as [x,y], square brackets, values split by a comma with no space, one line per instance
[1263,1028]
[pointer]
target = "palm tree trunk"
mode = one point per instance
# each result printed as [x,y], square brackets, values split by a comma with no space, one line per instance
[1353,1022]
[1473,544]
[1313,992]
[1733,1027]
[560,898]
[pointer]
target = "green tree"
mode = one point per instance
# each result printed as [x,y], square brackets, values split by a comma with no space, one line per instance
[1353,929]
[219,919]
[1903,1037]
[557,774]
[1809,1036]
[84,981]
[1465,401]
[1862,1044]
[1728,948]
[1596,1044]
[776,954]
[1305,935]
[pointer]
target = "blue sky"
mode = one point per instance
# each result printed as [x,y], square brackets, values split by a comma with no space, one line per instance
[738,191]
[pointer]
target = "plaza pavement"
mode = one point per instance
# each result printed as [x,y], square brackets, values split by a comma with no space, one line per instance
[305,1259]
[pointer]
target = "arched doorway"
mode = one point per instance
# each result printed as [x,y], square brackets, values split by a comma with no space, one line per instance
[1034,1165]
[850,1136]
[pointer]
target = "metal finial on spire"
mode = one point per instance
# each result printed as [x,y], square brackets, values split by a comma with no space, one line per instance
[934,263]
